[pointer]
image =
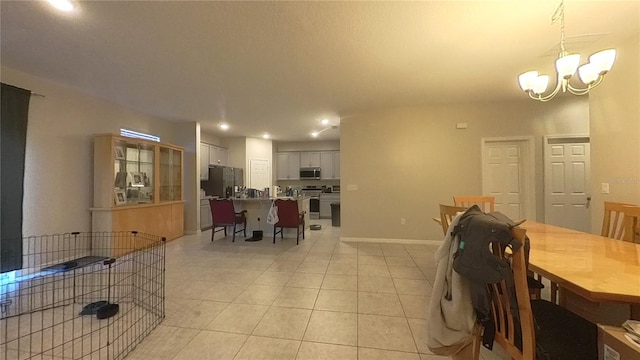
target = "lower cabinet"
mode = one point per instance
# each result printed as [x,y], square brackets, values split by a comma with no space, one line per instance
[326,199]
[206,221]
[164,219]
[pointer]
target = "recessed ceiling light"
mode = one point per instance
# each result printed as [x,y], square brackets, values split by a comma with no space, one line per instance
[314,134]
[265,136]
[224,126]
[62,5]
[324,121]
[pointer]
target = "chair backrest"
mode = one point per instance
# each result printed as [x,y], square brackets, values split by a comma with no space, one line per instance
[519,344]
[222,211]
[288,215]
[632,224]
[619,221]
[447,213]
[486,203]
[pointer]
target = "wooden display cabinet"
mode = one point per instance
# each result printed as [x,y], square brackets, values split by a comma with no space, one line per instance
[137,185]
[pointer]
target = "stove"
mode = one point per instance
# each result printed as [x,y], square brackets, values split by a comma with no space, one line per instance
[314,202]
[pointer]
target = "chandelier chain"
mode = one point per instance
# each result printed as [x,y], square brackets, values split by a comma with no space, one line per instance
[559,14]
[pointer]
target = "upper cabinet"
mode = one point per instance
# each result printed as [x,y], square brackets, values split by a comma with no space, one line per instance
[132,171]
[211,155]
[330,165]
[310,159]
[288,165]
[204,161]
[218,155]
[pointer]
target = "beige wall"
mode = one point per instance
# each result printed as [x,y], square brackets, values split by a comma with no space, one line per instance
[59,155]
[405,162]
[615,132]
[237,152]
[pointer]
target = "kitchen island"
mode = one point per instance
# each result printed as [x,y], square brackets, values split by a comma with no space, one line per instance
[257,210]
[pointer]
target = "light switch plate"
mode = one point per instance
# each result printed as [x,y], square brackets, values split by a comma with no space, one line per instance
[352,187]
[605,188]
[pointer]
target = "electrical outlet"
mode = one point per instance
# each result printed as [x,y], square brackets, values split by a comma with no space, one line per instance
[403,221]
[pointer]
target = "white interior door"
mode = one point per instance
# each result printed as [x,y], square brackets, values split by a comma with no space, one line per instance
[506,175]
[566,182]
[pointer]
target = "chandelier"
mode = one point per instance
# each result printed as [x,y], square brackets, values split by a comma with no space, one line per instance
[591,73]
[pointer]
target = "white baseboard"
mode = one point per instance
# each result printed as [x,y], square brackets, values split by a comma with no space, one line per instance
[391,241]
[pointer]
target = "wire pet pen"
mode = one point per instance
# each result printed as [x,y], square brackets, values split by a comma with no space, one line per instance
[82,296]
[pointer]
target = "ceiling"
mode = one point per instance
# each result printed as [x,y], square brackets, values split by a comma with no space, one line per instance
[281,67]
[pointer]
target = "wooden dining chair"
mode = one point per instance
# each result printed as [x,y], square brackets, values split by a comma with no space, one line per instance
[486,203]
[631,224]
[620,221]
[447,213]
[224,215]
[557,332]
[519,343]
[289,216]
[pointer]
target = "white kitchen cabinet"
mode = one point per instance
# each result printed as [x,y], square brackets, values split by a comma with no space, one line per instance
[310,159]
[206,221]
[204,161]
[288,164]
[330,165]
[218,155]
[326,199]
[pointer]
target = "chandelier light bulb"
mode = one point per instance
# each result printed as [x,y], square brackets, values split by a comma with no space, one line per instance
[567,65]
[540,84]
[527,80]
[603,60]
[588,73]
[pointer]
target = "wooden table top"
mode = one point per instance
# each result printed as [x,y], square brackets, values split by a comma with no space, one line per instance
[596,267]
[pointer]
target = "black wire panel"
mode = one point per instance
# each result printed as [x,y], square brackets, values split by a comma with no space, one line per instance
[65,275]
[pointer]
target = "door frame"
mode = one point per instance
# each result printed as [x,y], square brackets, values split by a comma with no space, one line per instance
[545,179]
[528,181]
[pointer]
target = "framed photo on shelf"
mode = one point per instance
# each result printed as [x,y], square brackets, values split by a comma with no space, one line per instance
[119,152]
[120,197]
[121,180]
[137,179]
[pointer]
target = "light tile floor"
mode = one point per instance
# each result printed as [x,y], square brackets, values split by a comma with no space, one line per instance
[322,299]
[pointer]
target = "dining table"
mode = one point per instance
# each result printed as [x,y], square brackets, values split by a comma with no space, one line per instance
[597,277]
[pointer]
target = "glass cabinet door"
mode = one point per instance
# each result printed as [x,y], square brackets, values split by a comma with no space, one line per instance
[133,169]
[170,174]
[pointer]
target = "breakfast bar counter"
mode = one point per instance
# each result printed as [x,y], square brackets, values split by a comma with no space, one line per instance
[258,208]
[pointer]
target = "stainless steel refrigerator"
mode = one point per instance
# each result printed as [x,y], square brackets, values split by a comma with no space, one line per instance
[222,181]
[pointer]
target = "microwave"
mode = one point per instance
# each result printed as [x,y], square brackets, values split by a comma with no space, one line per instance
[310,173]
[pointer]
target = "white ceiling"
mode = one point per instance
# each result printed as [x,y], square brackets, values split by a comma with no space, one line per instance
[280,67]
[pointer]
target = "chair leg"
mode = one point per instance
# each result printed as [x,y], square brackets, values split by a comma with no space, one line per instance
[225,230]
[233,237]
[554,292]
[213,232]
[274,234]
[244,229]
[297,235]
